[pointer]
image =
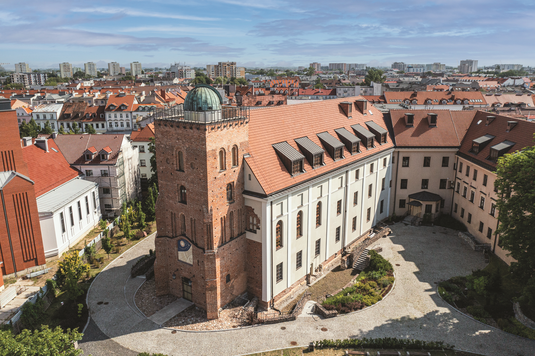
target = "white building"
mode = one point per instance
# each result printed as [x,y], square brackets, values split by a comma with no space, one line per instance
[141,140]
[65,70]
[135,68]
[468,66]
[114,68]
[119,112]
[90,69]
[47,112]
[22,67]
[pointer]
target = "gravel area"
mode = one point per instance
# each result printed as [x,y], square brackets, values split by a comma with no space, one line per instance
[193,318]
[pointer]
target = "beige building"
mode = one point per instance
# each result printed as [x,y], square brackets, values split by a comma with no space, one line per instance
[114,68]
[65,70]
[22,67]
[135,68]
[90,69]
[316,66]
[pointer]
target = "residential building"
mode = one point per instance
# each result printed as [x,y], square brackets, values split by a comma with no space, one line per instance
[24,114]
[468,66]
[183,71]
[399,66]
[506,67]
[28,79]
[210,70]
[316,66]
[65,70]
[437,99]
[258,97]
[489,137]
[141,140]
[114,68]
[22,67]
[338,67]
[225,69]
[135,68]
[67,205]
[108,160]
[435,67]
[248,207]
[21,244]
[90,69]
[47,112]
[122,70]
[118,112]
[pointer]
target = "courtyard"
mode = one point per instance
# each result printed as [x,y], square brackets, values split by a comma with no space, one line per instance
[421,256]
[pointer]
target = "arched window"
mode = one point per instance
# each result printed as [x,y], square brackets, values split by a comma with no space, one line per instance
[231,218]
[182,224]
[318,214]
[230,192]
[278,235]
[180,161]
[222,158]
[299,225]
[234,156]
[182,197]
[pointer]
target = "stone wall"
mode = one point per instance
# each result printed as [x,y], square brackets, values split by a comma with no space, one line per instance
[522,318]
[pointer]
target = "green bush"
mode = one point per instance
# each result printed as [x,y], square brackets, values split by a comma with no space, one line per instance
[371,299]
[51,286]
[33,314]
[383,343]
[378,263]
[445,295]
[477,311]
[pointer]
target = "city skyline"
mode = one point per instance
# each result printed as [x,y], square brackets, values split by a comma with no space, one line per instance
[263,34]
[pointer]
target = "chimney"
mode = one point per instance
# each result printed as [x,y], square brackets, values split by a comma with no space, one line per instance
[347,108]
[511,125]
[489,120]
[362,105]
[54,135]
[42,143]
[432,118]
[26,141]
[409,119]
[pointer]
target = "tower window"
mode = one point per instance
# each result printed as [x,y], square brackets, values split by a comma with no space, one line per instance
[179,161]
[230,192]
[299,225]
[182,195]
[318,214]
[278,235]
[222,158]
[234,156]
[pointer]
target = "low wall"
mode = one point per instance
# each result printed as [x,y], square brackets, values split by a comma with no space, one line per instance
[474,244]
[522,318]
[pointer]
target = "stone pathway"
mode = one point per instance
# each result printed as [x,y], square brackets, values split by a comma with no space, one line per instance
[421,256]
[167,313]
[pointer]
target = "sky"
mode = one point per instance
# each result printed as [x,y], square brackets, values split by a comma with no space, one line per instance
[265,33]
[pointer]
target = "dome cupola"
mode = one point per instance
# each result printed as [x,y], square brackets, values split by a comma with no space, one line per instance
[203,98]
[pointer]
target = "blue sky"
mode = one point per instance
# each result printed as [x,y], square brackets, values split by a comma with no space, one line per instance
[265,33]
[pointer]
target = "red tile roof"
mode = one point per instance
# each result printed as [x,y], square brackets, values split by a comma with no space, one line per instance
[449,131]
[74,146]
[298,121]
[144,134]
[436,97]
[92,149]
[49,169]
[107,149]
[118,100]
[521,135]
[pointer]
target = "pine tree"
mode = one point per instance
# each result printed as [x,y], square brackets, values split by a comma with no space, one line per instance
[90,129]
[150,203]
[61,130]
[142,216]
[47,129]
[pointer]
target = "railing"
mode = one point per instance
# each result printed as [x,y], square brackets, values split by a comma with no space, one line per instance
[273,317]
[177,113]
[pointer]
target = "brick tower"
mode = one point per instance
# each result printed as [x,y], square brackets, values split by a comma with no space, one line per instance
[201,247]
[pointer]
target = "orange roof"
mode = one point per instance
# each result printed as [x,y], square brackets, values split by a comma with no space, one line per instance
[436,97]
[107,149]
[448,132]
[298,121]
[49,169]
[92,149]
[144,134]
[118,100]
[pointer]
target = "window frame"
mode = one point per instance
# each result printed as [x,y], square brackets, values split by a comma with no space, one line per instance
[405,161]
[427,161]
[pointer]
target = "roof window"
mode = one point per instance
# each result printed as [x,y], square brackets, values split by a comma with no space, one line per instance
[366,136]
[409,119]
[290,157]
[432,119]
[313,152]
[351,141]
[333,146]
[479,143]
[500,149]
[380,133]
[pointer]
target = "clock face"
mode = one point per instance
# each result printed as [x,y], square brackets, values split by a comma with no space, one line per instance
[184,245]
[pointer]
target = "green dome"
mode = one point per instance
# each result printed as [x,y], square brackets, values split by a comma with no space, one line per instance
[203,98]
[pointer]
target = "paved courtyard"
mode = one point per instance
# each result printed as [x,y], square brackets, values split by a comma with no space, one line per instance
[421,256]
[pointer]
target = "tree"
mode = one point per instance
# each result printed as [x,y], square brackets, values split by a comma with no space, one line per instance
[61,130]
[241,81]
[47,129]
[90,129]
[150,205]
[516,194]
[43,342]
[153,167]
[70,271]
[141,216]
[107,245]
[374,75]
[75,128]
[29,130]
[310,71]
[126,227]
[221,80]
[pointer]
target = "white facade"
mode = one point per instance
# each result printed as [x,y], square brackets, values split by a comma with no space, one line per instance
[114,68]
[351,204]
[67,213]
[23,115]
[135,68]
[65,70]
[119,121]
[47,112]
[22,68]
[90,68]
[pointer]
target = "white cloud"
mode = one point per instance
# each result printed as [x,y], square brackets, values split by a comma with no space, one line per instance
[10,19]
[130,12]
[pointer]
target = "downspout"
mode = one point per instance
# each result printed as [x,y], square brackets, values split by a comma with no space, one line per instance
[396,185]
[8,232]
[495,235]
[344,217]
[454,185]
[271,251]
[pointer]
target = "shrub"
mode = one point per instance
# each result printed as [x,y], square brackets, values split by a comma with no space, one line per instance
[480,285]
[445,295]
[371,299]
[90,251]
[378,263]
[51,286]
[477,311]
[383,343]
[102,224]
[33,314]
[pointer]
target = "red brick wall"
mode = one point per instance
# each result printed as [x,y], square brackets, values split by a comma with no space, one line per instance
[10,146]
[254,268]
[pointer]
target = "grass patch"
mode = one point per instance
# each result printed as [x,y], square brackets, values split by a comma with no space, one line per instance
[298,351]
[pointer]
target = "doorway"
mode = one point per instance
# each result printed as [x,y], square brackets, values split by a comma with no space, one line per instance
[186,288]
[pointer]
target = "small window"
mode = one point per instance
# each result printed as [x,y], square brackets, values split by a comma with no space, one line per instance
[278,235]
[472,196]
[457,187]
[355,198]
[357,174]
[317,248]
[402,203]
[299,225]
[383,184]
[105,190]
[381,206]
[104,173]
[370,190]
[485,179]
[465,191]
[227,279]
[62,220]
[180,161]
[489,233]
[339,207]
[143,163]
[384,162]
[222,160]
[428,208]
[445,161]
[467,171]
[368,214]
[71,216]
[427,161]
[89,173]
[482,203]
[474,177]
[481,226]
[443,183]
[492,209]
[141,148]
[317,161]
[425,183]
[337,236]
[279,272]
[460,167]
[297,166]
[298,260]
[455,208]
[230,192]
[318,214]
[338,153]
[234,156]
[405,161]
[462,212]
[182,196]
[403,184]
[354,223]
[371,168]
[469,218]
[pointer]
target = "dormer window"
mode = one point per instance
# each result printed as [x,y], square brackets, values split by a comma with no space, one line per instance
[479,143]
[432,119]
[312,152]
[112,107]
[333,146]
[366,136]
[123,107]
[409,119]
[351,141]
[378,131]
[500,149]
[88,157]
[290,157]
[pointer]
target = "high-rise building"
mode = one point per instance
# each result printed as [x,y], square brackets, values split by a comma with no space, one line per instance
[182,71]
[122,70]
[65,70]
[225,69]
[210,70]
[468,66]
[22,67]
[509,66]
[90,69]
[435,67]
[338,66]
[28,79]
[114,68]
[316,66]
[135,68]
[399,66]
